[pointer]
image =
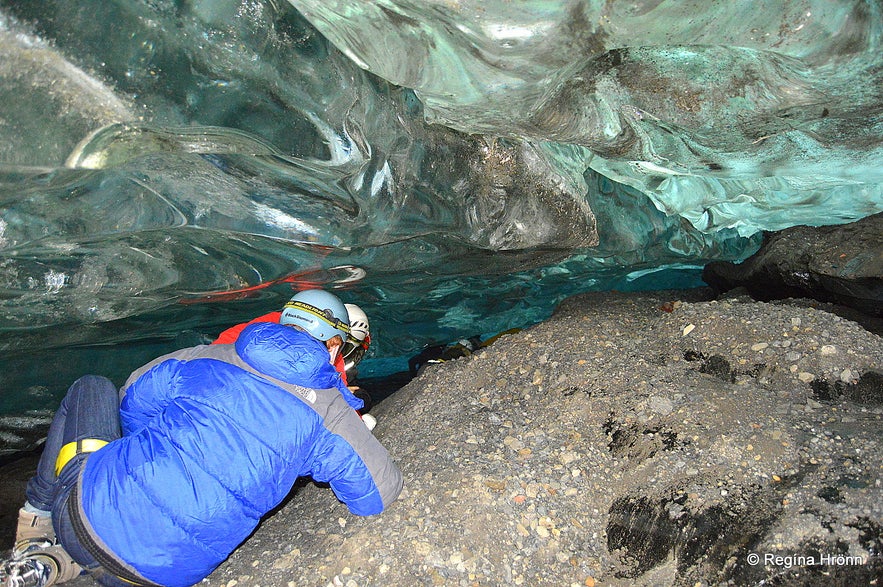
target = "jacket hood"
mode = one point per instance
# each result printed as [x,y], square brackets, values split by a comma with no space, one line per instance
[287,354]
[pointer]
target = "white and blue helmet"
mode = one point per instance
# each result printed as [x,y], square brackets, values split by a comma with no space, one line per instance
[319,313]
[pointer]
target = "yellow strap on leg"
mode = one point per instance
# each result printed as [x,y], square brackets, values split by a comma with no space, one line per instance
[72,449]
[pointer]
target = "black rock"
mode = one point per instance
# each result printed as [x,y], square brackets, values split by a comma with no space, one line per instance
[834,264]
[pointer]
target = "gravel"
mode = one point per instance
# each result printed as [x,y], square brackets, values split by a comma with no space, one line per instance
[631,439]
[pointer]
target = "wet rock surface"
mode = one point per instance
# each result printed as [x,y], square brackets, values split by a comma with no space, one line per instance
[840,264]
[631,439]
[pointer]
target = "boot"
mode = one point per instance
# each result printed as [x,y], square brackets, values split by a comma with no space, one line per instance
[67,568]
[31,525]
[51,555]
[28,572]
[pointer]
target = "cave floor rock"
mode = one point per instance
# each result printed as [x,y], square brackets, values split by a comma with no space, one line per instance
[631,439]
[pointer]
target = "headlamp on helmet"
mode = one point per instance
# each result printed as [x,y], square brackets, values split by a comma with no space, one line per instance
[319,313]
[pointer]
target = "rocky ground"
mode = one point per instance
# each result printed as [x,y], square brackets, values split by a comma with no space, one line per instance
[631,439]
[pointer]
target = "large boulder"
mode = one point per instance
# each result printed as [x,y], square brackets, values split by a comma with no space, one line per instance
[838,264]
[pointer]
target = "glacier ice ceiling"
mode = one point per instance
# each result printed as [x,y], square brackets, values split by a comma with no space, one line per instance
[171,167]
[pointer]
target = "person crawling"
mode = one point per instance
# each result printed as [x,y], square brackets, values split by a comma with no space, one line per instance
[158,483]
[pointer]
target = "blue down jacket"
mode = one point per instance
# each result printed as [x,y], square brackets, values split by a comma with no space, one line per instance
[214,437]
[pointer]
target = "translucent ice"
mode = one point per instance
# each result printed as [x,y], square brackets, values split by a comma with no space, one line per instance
[168,168]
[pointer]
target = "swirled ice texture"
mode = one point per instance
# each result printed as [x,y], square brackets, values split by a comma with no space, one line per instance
[168,168]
